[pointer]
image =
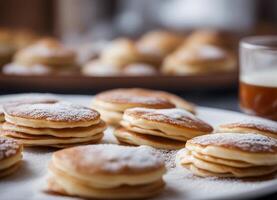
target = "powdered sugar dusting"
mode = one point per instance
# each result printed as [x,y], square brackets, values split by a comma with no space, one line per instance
[261,125]
[175,116]
[123,96]
[112,158]
[52,111]
[8,147]
[255,143]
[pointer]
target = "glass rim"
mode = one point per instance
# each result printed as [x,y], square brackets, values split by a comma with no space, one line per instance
[259,42]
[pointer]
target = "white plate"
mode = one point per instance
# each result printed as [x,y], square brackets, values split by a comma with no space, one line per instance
[29,181]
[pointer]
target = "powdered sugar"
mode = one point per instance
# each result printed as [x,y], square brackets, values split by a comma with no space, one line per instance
[261,125]
[255,143]
[52,111]
[174,116]
[112,158]
[8,148]
[134,96]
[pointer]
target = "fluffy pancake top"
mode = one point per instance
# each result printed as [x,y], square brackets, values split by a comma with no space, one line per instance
[252,143]
[174,116]
[9,148]
[253,125]
[136,97]
[51,111]
[108,159]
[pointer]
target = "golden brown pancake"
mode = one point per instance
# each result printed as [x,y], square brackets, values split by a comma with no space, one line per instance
[259,127]
[50,115]
[10,155]
[155,45]
[48,52]
[198,60]
[174,122]
[46,140]
[106,171]
[130,137]
[60,133]
[229,155]
[121,52]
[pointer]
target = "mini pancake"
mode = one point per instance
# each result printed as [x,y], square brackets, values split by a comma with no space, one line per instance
[50,115]
[111,104]
[252,171]
[65,185]
[198,60]
[120,52]
[10,155]
[46,51]
[153,132]
[252,148]
[174,123]
[259,127]
[31,140]
[60,133]
[110,166]
[9,170]
[155,45]
[133,138]
[121,99]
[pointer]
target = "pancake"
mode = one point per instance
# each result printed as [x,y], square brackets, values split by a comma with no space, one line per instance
[45,140]
[46,51]
[50,115]
[155,45]
[121,99]
[109,166]
[174,123]
[258,127]
[120,52]
[252,171]
[199,60]
[10,155]
[152,132]
[10,170]
[133,138]
[251,148]
[64,185]
[60,133]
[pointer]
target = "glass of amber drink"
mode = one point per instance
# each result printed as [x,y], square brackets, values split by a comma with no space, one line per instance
[258,76]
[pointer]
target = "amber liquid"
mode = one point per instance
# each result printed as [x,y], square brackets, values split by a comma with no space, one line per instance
[258,96]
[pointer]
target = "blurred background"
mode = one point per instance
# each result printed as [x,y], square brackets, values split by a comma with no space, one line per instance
[104,19]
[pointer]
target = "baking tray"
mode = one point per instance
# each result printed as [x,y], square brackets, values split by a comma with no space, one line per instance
[79,83]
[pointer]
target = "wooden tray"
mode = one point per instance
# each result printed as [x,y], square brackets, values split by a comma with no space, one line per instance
[78,83]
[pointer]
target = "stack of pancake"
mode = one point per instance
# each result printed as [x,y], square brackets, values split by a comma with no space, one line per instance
[10,156]
[111,104]
[52,123]
[229,155]
[46,56]
[106,172]
[266,128]
[160,128]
